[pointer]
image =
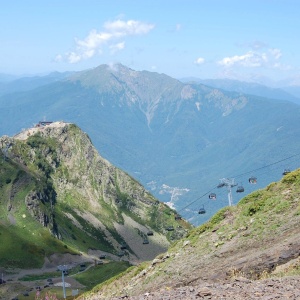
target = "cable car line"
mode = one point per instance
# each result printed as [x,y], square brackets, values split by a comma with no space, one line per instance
[239,188]
[196,199]
[274,163]
[144,239]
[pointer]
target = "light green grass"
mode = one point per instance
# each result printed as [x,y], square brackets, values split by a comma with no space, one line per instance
[101,273]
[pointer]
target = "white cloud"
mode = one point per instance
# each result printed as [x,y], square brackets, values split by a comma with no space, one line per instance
[113,31]
[131,27]
[253,59]
[117,47]
[72,57]
[276,53]
[199,61]
[250,59]
[93,40]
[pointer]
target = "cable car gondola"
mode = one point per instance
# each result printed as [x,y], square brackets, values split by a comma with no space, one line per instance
[212,196]
[121,253]
[123,246]
[170,228]
[286,171]
[253,180]
[240,189]
[201,210]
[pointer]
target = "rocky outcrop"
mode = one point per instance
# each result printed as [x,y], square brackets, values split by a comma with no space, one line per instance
[34,202]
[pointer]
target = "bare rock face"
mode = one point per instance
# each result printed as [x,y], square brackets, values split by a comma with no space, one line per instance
[33,201]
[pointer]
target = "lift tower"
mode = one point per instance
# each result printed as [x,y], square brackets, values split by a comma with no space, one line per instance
[229,183]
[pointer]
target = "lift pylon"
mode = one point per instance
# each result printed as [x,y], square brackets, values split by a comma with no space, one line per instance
[229,183]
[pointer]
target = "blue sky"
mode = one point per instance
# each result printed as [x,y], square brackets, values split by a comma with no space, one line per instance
[241,39]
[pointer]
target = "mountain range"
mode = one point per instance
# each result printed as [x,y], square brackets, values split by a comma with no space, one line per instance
[289,93]
[177,139]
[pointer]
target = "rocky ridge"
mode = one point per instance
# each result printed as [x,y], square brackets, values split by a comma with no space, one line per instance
[77,191]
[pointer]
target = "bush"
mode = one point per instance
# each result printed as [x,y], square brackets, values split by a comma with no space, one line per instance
[254,207]
[293,177]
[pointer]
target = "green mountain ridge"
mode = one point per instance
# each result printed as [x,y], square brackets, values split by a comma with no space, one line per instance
[57,195]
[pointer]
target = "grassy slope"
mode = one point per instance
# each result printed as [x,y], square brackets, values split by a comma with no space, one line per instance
[24,236]
[261,221]
[101,273]
[24,243]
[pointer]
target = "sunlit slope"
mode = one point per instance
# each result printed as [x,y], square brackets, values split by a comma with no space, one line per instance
[259,237]
[58,194]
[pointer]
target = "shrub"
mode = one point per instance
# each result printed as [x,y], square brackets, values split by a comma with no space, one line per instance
[293,177]
[254,207]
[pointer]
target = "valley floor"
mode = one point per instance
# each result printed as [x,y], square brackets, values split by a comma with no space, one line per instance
[15,286]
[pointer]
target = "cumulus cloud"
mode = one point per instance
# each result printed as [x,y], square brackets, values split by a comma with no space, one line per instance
[199,61]
[250,59]
[117,47]
[113,31]
[73,57]
[130,27]
[254,59]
